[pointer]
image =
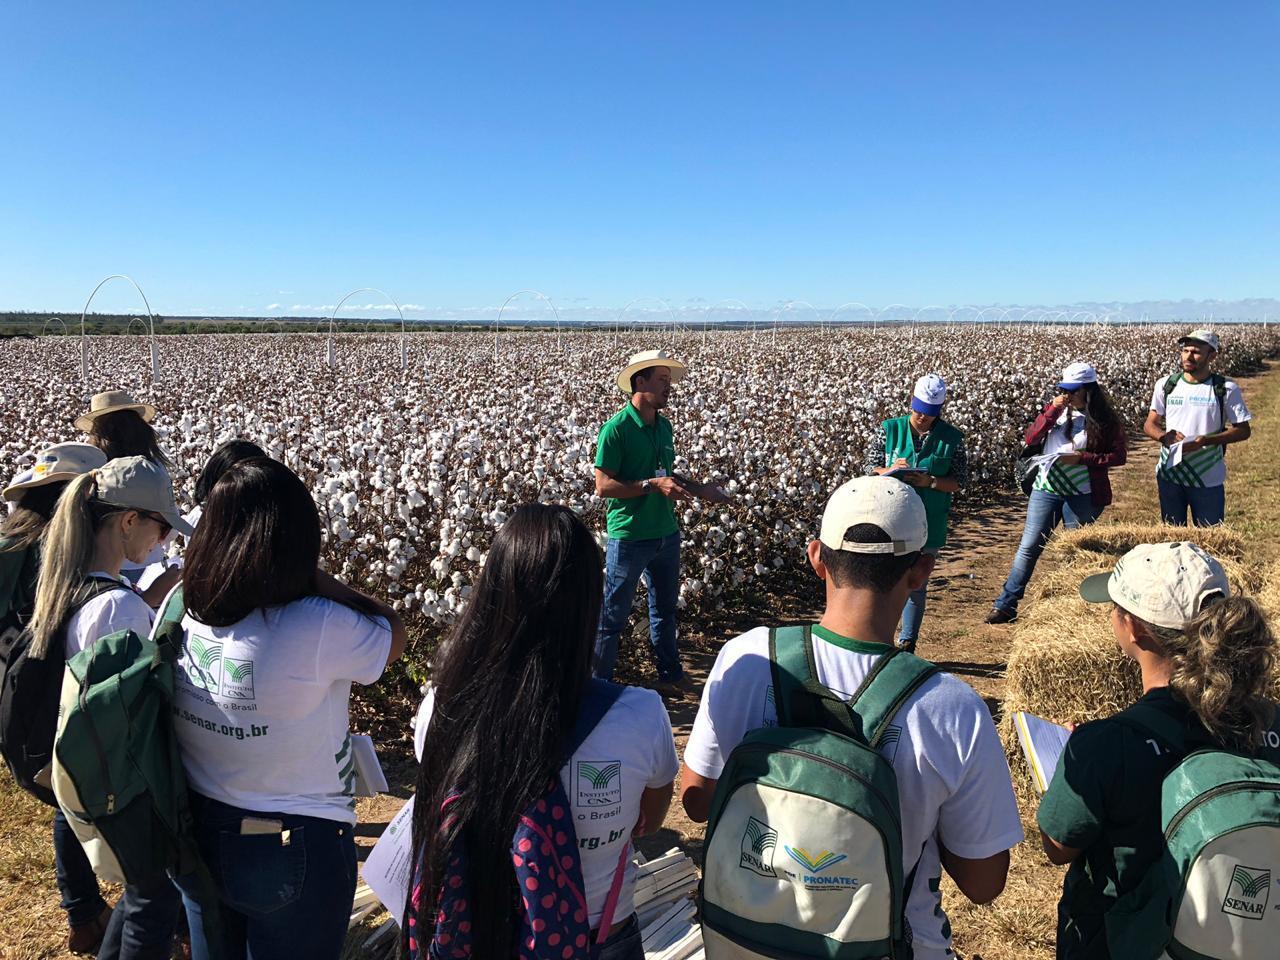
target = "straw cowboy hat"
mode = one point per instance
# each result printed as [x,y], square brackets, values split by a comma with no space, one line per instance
[646,359]
[62,461]
[113,401]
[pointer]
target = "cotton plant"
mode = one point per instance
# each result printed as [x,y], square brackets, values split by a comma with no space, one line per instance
[414,471]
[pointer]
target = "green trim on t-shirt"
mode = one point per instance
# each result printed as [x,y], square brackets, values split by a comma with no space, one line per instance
[848,643]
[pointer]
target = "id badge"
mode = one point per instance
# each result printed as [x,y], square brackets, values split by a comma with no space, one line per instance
[660,472]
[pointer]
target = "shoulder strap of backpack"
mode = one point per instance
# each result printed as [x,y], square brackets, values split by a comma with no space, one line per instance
[597,698]
[1220,391]
[1154,720]
[895,677]
[1171,383]
[92,588]
[800,699]
[166,631]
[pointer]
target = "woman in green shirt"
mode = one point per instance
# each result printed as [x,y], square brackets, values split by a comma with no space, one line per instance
[1207,658]
[923,450]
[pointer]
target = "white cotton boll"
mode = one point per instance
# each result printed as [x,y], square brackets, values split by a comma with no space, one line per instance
[761,569]
[474,554]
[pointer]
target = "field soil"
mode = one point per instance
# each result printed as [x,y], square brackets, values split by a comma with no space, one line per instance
[970,572]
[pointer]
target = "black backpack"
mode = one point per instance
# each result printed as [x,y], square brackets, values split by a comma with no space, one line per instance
[18,571]
[30,691]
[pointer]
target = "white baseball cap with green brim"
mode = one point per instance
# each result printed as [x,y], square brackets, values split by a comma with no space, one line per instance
[1165,584]
[882,502]
[135,483]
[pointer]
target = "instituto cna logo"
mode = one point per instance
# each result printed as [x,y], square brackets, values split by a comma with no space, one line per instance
[815,862]
[758,842]
[599,783]
[1248,892]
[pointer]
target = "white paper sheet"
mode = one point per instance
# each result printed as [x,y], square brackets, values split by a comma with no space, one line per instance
[389,867]
[370,780]
[1175,454]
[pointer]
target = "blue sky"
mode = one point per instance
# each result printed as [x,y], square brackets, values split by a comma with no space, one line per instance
[232,156]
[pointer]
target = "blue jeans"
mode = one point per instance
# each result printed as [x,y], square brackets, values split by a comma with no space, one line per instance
[624,563]
[77,882]
[1208,505]
[623,945]
[913,613]
[1044,511]
[143,922]
[278,900]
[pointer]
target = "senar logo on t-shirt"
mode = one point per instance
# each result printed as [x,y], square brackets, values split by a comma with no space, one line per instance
[1248,892]
[599,783]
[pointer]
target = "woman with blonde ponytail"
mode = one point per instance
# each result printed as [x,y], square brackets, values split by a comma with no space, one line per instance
[105,518]
[1207,658]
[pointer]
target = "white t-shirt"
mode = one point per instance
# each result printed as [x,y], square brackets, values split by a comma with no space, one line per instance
[1192,410]
[261,706]
[953,780]
[634,739]
[107,613]
[1068,435]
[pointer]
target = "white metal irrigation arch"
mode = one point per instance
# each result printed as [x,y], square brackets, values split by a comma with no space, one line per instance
[617,321]
[831,318]
[497,323]
[84,342]
[404,345]
[786,306]
[58,320]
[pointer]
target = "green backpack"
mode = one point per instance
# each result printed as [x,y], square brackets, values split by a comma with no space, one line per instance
[117,774]
[804,839]
[1211,896]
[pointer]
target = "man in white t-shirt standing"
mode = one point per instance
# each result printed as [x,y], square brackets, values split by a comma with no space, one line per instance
[957,803]
[1194,414]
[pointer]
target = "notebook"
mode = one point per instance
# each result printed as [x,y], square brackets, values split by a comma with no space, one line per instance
[1042,743]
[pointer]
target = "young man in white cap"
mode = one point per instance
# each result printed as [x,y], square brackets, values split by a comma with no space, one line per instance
[1194,414]
[635,471]
[1205,656]
[923,450]
[956,800]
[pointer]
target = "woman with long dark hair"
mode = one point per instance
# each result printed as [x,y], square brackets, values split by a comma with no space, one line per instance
[1207,658]
[270,651]
[509,687]
[1085,438]
[34,495]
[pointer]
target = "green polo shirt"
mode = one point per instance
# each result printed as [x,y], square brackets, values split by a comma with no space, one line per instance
[631,451]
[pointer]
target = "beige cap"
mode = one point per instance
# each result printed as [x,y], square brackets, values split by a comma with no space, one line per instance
[62,461]
[885,502]
[136,483]
[1166,584]
[646,359]
[1207,337]
[112,401]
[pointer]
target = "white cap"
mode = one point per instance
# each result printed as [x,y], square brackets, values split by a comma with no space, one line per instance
[62,461]
[1207,337]
[1166,584]
[135,483]
[929,395]
[885,502]
[1076,375]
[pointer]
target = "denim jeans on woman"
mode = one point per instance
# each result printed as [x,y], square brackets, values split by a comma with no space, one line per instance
[1045,511]
[78,884]
[143,923]
[625,561]
[283,896]
[913,613]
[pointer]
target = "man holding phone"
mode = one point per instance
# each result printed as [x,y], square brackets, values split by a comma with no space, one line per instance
[923,450]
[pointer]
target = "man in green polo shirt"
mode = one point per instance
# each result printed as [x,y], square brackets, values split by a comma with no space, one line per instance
[635,471]
[923,450]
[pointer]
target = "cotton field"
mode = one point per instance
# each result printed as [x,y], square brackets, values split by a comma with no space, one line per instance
[418,449]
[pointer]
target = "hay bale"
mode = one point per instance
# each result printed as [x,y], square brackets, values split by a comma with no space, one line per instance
[1064,664]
